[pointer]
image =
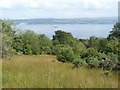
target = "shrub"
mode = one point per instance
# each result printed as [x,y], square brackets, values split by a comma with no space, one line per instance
[110,62]
[93,62]
[46,50]
[90,52]
[78,48]
[102,56]
[113,59]
[80,61]
[112,46]
[64,53]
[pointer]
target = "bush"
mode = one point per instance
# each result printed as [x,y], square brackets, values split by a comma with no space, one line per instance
[90,52]
[80,61]
[46,50]
[102,56]
[93,62]
[113,60]
[64,53]
[113,57]
[110,62]
[112,46]
[78,48]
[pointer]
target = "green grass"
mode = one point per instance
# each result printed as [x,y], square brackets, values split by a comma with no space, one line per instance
[46,72]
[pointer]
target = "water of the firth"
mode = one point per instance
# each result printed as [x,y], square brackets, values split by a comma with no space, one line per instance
[77,30]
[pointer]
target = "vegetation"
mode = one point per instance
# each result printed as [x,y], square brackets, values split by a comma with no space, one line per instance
[63,44]
[43,71]
[99,53]
[67,48]
[29,43]
[64,53]
[7,36]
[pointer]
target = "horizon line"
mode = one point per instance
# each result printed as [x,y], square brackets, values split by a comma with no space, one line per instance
[61,18]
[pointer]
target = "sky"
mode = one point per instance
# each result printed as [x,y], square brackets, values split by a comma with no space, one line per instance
[25,9]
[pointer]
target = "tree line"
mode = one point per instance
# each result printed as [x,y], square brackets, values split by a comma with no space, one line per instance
[93,52]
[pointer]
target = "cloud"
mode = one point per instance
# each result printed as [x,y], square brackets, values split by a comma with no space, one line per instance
[5,4]
[95,4]
[57,8]
[92,4]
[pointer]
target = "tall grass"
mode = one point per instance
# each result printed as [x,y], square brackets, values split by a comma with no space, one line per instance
[0,73]
[45,71]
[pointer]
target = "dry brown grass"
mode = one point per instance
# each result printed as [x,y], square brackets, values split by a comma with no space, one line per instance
[44,71]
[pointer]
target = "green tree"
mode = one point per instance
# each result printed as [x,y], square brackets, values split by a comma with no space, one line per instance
[18,44]
[62,37]
[30,42]
[112,46]
[7,33]
[45,44]
[115,31]
[92,42]
[102,44]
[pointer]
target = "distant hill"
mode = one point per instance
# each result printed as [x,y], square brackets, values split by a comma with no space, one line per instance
[110,20]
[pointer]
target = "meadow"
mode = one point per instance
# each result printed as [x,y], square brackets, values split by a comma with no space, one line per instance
[44,71]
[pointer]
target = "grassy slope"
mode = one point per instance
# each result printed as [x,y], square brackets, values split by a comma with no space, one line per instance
[0,73]
[46,71]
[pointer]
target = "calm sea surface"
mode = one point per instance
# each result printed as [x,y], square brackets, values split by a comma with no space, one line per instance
[77,30]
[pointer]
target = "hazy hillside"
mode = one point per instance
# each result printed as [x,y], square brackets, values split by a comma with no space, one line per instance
[110,20]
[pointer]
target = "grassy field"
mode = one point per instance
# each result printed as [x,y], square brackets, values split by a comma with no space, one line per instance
[45,71]
[0,73]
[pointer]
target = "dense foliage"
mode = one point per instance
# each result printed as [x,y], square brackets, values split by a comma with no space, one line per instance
[93,52]
[29,43]
[6,38]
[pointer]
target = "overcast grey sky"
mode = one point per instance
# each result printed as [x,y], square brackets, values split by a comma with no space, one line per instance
[23,9]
